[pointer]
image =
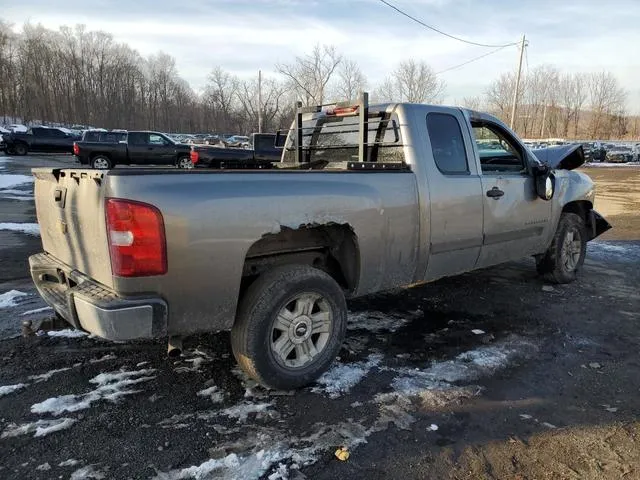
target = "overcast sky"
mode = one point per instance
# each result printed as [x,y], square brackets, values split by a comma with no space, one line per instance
[243,36]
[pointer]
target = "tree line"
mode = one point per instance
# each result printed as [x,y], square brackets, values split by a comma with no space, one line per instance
[76,76]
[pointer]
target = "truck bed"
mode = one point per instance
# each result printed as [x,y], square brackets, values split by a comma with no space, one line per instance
[213,217]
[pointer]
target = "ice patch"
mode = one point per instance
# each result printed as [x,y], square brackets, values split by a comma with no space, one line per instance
[67,333]
[87,472]
[7,389]
[104,358]
[342,377]
[376,321]
[46,376]
[44,467]
[72,462]
[10,181]
[8,299]
[111,387]
[214,394]
[39,428]
[477,331]
[28,228]
[37,310]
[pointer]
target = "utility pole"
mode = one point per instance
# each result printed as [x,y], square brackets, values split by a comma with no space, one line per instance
[515,91]
[259,101]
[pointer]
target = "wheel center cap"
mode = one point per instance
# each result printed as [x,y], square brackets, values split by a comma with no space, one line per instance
[301,329]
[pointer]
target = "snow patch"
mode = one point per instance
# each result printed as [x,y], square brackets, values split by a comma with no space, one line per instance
[67,333]
[10,181]
[104,358]
[28,228]
[343,377]
[214,394]
[37,310]
[87,472]
[242,411]
[111,387]
[7,389]
[39,428]
[44,467]
[8,299]
[43,377]
[72,462]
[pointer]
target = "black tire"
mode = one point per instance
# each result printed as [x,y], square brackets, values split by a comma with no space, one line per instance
[554,265]
[101,162]
[20,149]
[182,161]
[252,335]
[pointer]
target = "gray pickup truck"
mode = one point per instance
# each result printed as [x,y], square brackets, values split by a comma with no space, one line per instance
[365,198]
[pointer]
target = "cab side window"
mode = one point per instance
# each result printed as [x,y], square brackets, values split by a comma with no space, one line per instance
[138,138]
[156,140]
[447,144]
[498,151]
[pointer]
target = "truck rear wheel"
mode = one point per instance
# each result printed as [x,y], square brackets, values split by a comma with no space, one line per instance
[565,256]
[20,149]
[101,162]
[290,325]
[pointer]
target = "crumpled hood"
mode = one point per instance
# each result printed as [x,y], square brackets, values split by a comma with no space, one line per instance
[564,157]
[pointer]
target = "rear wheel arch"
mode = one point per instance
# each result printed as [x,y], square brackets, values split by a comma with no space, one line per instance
[332,248]
[20,148]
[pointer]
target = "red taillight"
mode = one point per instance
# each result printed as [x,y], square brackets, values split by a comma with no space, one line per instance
[76,148]
[195,157]
[136,238]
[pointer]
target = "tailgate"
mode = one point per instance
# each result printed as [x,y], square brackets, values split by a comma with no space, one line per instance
[70,210]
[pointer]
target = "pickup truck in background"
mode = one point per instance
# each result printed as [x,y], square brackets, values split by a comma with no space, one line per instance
[364,199]
[39,139]
[109,149]
[264,152]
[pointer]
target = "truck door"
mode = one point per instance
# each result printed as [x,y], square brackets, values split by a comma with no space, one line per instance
[138,147]
[516,220]
[455,195]
[163,151]
[40,139]
[58,141]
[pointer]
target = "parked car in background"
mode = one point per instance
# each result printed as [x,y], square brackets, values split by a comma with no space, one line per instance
[619,154]
[132,148]
[17,127]
[39,139]
[264,153]
[239,141]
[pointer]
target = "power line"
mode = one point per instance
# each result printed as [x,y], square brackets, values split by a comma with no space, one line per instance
[472,60]
[420,22]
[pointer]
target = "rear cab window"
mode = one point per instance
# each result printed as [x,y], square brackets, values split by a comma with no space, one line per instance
[447,144]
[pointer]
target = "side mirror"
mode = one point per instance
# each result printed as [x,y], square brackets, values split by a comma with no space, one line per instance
[545,183]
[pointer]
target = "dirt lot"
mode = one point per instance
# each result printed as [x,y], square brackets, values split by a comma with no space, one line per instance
[490,375]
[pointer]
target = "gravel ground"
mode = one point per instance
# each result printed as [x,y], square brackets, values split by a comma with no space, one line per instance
[488,375]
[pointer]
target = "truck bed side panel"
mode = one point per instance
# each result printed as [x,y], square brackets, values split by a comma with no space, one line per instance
[213,218]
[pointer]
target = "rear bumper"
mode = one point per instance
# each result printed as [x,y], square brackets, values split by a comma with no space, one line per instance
[92,307]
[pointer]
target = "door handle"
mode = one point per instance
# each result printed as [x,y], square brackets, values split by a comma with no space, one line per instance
[495,192]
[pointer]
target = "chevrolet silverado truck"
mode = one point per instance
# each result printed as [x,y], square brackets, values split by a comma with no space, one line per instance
[264,152]
[131,148]
[365,198]
[38,139]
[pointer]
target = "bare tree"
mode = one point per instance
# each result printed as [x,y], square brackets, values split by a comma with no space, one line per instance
[273,94]
[500,95]
[472,103]
[351,81]
[310,75]
[413,82]
[606,98]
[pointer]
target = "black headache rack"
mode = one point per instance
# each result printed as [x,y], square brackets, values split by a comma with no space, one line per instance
[329,123]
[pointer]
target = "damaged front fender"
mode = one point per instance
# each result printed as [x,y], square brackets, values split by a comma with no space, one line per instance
[597,225]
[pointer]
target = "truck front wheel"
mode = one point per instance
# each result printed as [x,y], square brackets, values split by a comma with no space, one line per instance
[290,325]
[101,162]
[565,256]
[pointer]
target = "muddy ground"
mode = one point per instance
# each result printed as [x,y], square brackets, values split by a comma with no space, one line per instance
[490,375]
